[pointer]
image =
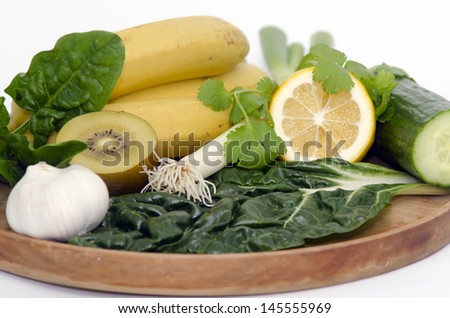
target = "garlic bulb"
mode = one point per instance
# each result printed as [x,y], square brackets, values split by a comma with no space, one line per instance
[57,204]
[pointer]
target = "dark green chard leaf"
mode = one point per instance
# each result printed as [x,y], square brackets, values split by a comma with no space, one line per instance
[279,208]
[143,222]
[75,77]
[278,220]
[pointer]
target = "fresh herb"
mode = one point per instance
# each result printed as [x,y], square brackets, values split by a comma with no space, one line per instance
[281,207]
[379,85]
[75,77]
[256,138]
[331,68]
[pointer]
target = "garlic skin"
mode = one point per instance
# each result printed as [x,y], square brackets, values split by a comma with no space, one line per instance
[57,204]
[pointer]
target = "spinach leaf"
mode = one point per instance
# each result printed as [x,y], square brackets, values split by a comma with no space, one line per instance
[4,118]
[281,207]
[75,77]
[58,155]
[10,170]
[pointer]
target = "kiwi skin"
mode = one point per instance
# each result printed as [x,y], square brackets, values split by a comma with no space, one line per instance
[118,178]
[129,181]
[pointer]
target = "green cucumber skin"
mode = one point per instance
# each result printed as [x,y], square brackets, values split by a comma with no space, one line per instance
[414,106]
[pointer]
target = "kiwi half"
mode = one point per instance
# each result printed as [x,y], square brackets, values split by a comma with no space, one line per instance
[118,144]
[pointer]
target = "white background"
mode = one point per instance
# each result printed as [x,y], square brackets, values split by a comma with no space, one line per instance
[414,35]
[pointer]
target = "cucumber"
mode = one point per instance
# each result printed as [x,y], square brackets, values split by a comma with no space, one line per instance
[418,135]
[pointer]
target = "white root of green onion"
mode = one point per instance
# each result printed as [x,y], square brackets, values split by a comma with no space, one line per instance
[188,175]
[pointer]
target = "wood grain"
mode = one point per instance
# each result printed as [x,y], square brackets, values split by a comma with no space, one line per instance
[411,229]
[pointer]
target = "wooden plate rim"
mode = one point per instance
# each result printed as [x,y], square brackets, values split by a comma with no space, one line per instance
[440,217]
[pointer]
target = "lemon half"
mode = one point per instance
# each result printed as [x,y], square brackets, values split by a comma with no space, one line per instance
[315,124]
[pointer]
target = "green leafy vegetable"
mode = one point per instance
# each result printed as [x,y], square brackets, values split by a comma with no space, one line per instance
[75,77]
[10,171]
[16,153]
[58,155]
[4,118]
[380,84]
[330,68]
[253,145]
[256,138]
[279,208]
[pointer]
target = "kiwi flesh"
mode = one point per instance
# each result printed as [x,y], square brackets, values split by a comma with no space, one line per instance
[118,144]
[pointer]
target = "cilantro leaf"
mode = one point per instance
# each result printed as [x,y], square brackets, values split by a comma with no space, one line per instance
[357,69]
[266,87]
[329,68]
[323,52]
[309,60]
[245,103]
[379,86]
[253,145]
[213,94]
[333,77]
[398,72]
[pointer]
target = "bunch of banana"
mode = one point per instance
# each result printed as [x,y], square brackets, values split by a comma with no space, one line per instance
[166,62]
[177,49]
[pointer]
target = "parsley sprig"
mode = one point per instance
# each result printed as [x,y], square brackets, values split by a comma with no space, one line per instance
[253,143]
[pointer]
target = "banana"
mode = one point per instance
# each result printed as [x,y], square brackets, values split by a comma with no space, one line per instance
[176,49]
[182,124]
[244,75]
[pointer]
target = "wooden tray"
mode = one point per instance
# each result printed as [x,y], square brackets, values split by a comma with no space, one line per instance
[411,229]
